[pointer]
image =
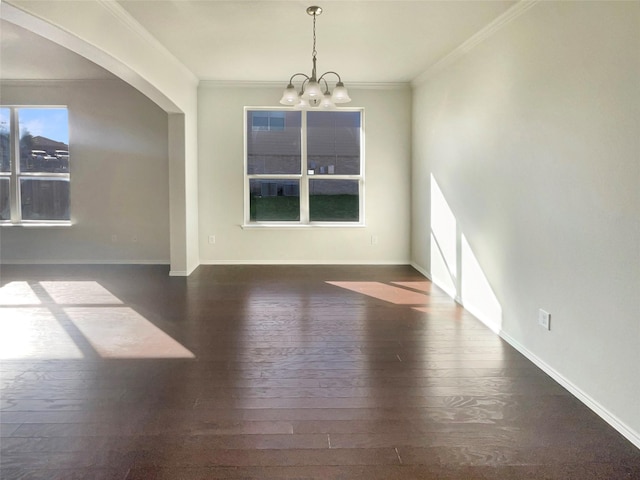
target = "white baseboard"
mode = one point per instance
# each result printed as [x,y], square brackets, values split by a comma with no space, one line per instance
[300,262]
[183,273]
[422,270]
[83,262]
[607,416]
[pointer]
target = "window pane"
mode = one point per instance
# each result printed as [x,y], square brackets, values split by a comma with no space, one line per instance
[5,208]
[5,143]
[334,201]
[333,142]
[44,199]
[260,121]
[277,121]
[44,139]
[273,142]
[274,200]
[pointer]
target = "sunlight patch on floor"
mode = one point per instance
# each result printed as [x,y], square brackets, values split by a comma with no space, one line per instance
[121,332]
[28,333]
[46,320]
[388,293]
[18,293]
[420,286]
[79,293]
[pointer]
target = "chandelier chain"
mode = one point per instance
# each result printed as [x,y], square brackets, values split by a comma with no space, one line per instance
[314,53]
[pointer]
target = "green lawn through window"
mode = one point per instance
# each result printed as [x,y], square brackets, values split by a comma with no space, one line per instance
[322,208]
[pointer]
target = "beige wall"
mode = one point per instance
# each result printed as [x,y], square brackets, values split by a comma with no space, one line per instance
[387,172]
[119,177]
[533,138]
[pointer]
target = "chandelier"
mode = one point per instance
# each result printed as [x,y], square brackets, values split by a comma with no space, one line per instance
[314,91]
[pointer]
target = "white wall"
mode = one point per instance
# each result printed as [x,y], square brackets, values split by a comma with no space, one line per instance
[119,177]
[533,138]
[387,173]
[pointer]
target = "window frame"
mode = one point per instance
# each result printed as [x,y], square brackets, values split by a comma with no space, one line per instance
[303,177]
[15,175]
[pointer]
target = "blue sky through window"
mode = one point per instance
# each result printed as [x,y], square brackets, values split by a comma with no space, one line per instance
[4,119]
[52,123]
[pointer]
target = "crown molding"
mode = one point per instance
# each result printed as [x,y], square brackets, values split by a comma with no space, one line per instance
[210,83]
[125,18]
[512,13]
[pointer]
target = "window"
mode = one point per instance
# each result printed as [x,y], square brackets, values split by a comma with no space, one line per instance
[303,167]
[34,165]
[267,120]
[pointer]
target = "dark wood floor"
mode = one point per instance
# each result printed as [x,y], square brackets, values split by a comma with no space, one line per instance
[292,377]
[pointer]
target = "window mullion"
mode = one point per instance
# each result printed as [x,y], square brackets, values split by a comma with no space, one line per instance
[304,181]
[14,189]
[274,176]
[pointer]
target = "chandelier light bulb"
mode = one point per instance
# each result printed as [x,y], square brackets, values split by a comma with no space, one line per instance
[327,103]
[340,94]
[302,104]
[312,90]
[290,96]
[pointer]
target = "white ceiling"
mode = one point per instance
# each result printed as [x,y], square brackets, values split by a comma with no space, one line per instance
[238,40]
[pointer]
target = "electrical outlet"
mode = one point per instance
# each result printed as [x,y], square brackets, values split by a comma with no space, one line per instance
[212,239]
[544,319]
[374,239]
[114,238]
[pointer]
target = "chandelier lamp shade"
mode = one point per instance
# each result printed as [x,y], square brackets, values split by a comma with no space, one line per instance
[314,91]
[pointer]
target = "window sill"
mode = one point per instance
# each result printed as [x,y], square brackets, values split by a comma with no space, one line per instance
[37,224]
[295,226]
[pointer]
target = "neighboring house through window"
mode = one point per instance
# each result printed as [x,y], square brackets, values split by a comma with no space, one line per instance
[304,167]
[34,165]
[265,120]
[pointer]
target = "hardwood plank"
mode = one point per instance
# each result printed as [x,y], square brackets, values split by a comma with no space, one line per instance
[65,474]
[309,472]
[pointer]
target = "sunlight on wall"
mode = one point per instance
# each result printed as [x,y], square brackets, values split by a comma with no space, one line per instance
[43,320]
[450,251]
[443,242]
[440,273]
[476,293]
